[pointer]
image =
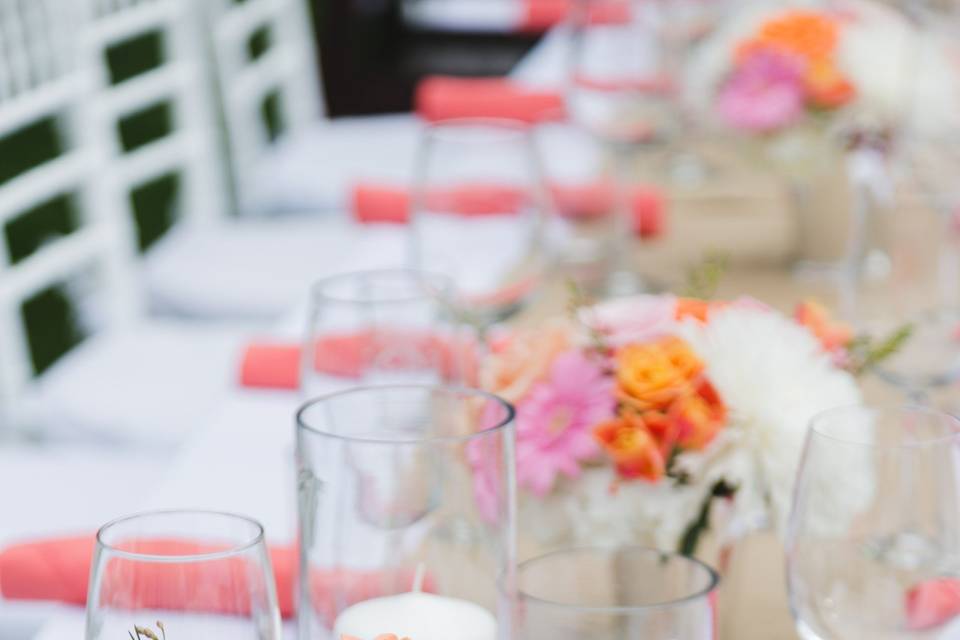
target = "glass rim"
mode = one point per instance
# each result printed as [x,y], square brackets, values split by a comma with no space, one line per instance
[816,428]
[501,425]
[445,286]
[446,129]
[713,580]
[257,539]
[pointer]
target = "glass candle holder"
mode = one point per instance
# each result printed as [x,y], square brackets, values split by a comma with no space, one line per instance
[626,593]
[383,326]
[182,574]
[407,513]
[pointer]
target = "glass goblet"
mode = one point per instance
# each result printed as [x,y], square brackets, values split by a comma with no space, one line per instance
[182,574]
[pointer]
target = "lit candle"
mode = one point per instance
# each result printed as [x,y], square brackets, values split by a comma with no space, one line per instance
[419,616]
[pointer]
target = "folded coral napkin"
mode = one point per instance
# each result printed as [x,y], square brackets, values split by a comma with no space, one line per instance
[385,203]
[276,365]
[933,603]
[373,203]
[540,15]
[447,97]
[58,569]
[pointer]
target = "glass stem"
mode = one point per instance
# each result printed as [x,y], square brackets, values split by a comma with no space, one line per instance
[622,279]
[857,250]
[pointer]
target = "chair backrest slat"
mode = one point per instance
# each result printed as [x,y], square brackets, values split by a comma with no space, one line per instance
[266,69]
[48,85]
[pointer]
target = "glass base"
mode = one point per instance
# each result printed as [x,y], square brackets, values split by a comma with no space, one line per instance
[620,284]
[877,266]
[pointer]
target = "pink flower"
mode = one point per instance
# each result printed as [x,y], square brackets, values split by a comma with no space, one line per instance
[555,421]
[635,319]
[765,92]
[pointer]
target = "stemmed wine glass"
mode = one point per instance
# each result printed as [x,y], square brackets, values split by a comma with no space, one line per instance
[622,89]
[930,359]
[182,574]
[382,326]
[480,215]
[873,543]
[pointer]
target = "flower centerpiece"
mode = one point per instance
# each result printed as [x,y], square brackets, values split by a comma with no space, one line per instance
[819,92]
[637,417]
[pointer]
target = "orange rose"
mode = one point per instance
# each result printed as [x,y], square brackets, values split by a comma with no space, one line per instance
[807,34]
[826,86]
[832,335]
[523,360]
[634,450]
[652,375]
[698,417]
[696,308]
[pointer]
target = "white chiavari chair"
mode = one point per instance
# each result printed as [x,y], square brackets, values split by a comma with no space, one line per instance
[264,62]
[263,59]
[123,377]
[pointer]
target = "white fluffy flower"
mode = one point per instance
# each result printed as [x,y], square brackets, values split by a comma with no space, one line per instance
[774,377]
[598,509]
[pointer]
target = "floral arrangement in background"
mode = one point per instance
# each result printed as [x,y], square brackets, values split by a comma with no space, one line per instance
[636,417]
[768,69]
[783,71]
[382,636]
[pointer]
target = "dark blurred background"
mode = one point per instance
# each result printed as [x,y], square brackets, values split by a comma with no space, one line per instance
[371,60]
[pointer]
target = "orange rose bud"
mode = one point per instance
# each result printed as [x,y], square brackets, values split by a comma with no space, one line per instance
[696,309]
[808,34]
[634,450]
[651,375]
[832,335]
[698,417]
[826,86]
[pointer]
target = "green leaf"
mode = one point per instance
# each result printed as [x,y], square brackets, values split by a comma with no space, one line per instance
[703,278]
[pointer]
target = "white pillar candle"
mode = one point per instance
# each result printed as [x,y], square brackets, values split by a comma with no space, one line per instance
[418,616]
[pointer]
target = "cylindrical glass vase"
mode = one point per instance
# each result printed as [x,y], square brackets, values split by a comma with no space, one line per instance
[616,593]
[407,513]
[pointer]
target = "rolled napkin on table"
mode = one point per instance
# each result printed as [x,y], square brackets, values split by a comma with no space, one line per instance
[58,570]
[933,603]
[446,97]
[375,203]
[276,365]
[540,15]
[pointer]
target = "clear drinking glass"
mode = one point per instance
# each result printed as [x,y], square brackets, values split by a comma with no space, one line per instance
[623,89]
[480,214]
[873,544]
[182,574]
[626,593]
[930,358]
[383,326]
[407,513]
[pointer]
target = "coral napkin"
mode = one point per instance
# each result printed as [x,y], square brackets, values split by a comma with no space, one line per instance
[540,15]
[373,203]
[384,203]
[932,603]
[446,97]
[58,569]
[276,365]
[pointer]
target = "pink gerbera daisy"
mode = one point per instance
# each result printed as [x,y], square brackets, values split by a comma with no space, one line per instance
[556,419]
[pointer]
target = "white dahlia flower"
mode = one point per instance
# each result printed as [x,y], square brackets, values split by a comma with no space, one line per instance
[773,377]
